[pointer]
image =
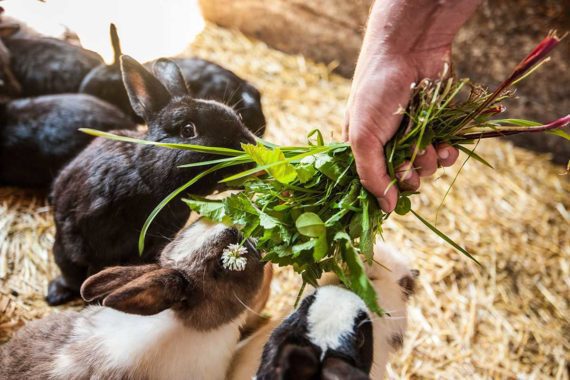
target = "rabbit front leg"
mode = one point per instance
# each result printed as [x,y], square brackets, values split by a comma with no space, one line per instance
[65,287]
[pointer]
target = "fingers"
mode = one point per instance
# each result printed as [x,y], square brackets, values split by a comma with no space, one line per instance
[446,155]
[426,161]
[371,168]
[408,177]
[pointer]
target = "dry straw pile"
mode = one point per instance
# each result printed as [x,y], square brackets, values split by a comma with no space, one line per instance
[508,319]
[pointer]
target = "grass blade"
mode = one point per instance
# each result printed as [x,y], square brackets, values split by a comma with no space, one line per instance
[445,237]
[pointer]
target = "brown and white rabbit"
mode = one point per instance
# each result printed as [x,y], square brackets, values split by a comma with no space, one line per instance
[393,283]
[102,198]
[178,319]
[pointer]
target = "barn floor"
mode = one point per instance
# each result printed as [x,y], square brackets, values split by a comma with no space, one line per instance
[508,319]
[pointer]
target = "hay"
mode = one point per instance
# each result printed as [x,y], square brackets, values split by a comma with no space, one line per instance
[508,319]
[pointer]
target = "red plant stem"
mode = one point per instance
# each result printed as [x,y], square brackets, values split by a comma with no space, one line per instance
[556,124]
[535,56]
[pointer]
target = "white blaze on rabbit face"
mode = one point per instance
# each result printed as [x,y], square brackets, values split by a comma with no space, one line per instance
[332,315]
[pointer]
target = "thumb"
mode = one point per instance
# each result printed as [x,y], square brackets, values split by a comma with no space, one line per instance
[371,167]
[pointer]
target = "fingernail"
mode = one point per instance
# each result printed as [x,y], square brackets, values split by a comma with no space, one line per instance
[384,204]
[422,152]
[443,154]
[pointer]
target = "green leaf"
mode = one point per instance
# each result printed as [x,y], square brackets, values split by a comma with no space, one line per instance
[317,132]
[445,237]
[471,153]
[240,210]
[321,248]
[212,209]
[359,282]
[403,206]
[305,246]
[310,224]
[266,221]
[283,172]
[328,166]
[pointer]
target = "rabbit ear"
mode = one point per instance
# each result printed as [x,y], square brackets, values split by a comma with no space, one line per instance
[171,77]
[336,368]
[108,280]
[150,293]
[146,94]
[116,43]
[298,363]
[7,30]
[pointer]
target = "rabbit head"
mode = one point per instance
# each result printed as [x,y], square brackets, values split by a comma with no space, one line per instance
[163,101]
[189,279]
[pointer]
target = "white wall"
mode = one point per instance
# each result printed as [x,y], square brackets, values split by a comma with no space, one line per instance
[148,28]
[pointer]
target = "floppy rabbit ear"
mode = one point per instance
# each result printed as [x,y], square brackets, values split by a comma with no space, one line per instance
[150,293]
[108,280]
[146,94]
[335,368]
[298,363]
[169,74]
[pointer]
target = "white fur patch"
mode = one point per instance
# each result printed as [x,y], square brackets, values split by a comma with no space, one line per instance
[194,238]
[155,347]
[248,100]
[332,315]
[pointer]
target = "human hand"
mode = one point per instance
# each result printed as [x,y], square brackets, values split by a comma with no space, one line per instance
[387,66]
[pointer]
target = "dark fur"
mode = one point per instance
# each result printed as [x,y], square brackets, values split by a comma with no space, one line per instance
[102,198]
[106,82]
[48,65]
[9,85]
[206,80]
[289,353]
[38,136]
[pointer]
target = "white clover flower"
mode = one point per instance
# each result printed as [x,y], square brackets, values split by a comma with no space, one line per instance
[233,257]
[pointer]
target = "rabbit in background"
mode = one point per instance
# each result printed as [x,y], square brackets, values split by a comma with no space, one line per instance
[102,198]
[175,319]
[204,79]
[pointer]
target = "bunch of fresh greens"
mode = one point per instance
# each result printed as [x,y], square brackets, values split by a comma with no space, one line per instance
[305,204]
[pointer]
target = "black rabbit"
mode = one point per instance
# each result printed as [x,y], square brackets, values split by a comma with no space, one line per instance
[46,65]
[38,136]
[102,198]
[9,85]
[105,81]
[206,80]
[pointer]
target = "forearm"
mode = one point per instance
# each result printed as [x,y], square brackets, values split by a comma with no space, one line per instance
[405,26]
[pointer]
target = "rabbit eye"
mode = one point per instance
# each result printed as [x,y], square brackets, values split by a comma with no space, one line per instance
[188,131]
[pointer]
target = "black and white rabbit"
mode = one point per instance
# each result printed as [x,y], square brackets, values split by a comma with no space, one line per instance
[328,337]
[102,198]
[175,319]
[394,282]
[38,136]
[44,65]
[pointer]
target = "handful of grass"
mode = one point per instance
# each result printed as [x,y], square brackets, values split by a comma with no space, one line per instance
[305,204]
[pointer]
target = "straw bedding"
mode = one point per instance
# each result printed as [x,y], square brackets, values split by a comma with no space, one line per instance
[510,318]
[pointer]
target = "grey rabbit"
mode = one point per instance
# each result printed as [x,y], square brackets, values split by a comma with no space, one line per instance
[178,318]
[102,198]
